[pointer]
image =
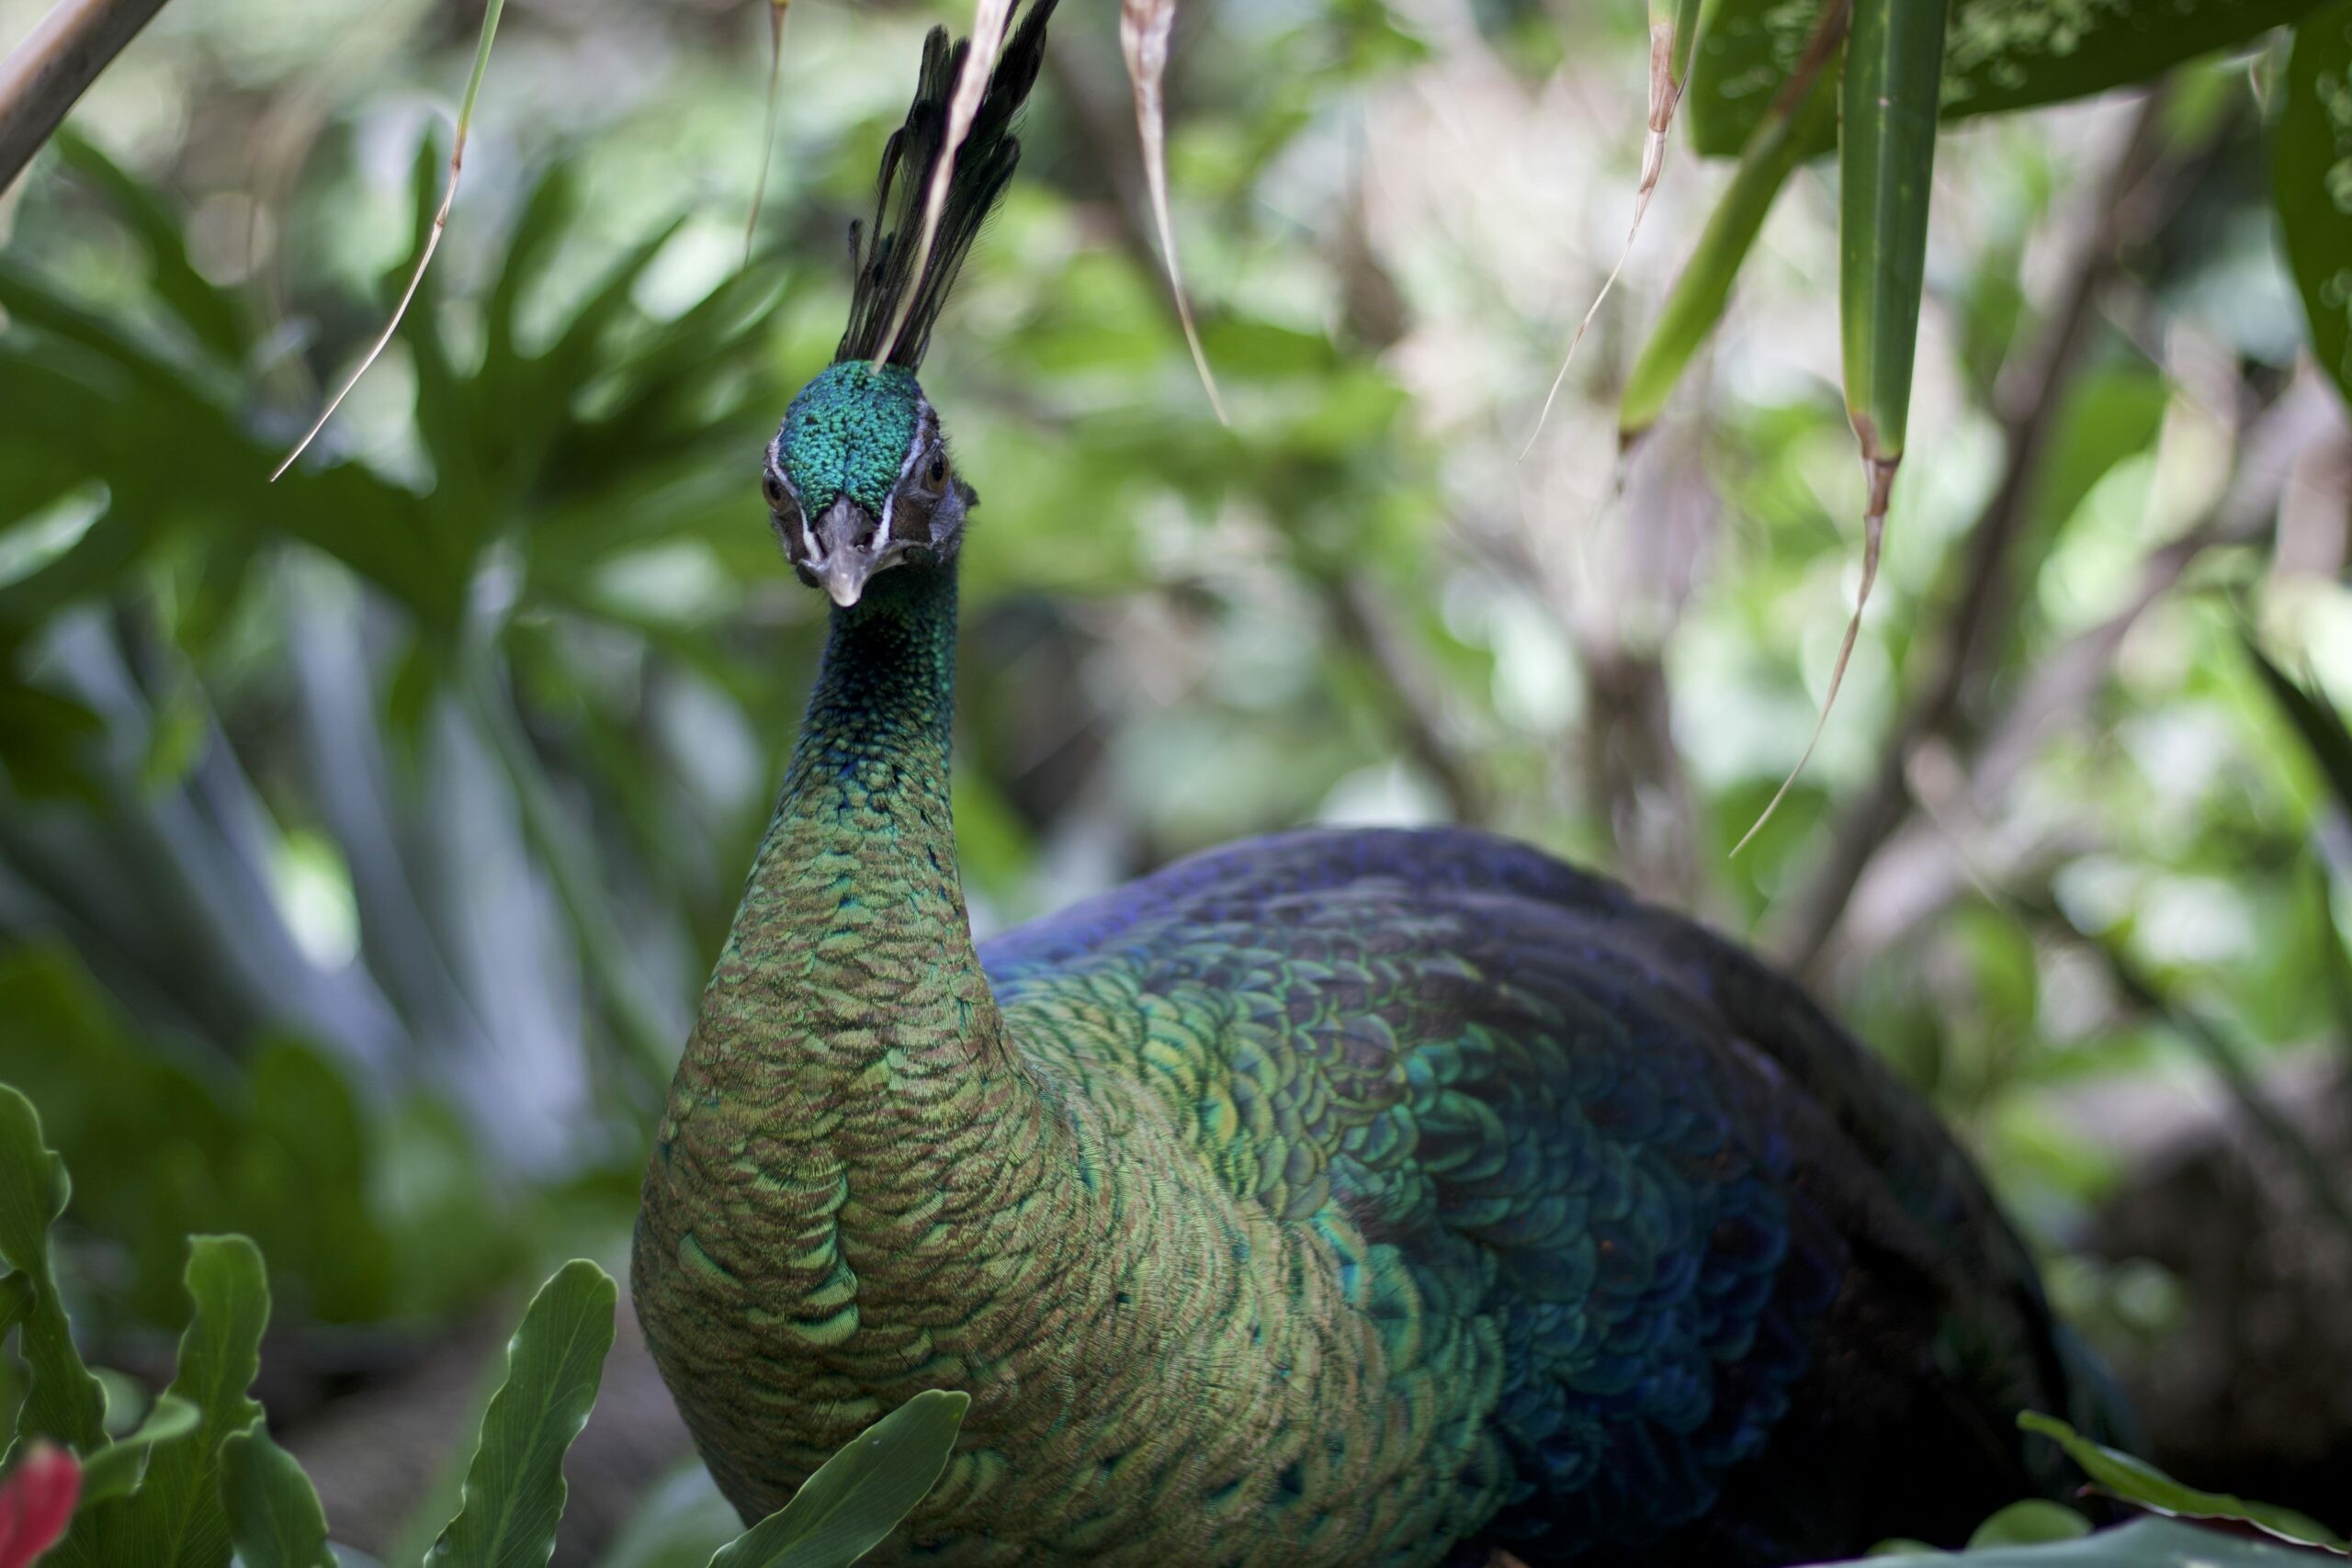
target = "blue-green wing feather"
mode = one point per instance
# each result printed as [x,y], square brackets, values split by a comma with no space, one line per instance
[1639,1162]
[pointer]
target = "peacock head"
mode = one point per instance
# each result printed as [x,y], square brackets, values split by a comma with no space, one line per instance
[858,479]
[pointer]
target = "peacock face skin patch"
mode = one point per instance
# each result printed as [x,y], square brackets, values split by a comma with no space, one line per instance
[848,433]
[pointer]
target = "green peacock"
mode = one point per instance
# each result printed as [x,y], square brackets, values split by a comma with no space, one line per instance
[1334,1198]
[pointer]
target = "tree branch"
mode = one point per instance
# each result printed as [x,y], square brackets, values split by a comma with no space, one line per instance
[45,76]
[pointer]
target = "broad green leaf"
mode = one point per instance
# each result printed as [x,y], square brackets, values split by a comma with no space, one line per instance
[2000,54]
[209,313]
[514,1493]
[1691,310]
[175,1519]
[2311,181]
[115,1470]
[274,1513]
[63,1400]
[847,1509]
[2139,1483]
[2143,1543]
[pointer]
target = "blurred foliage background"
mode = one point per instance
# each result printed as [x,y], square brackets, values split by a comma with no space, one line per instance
[366,838]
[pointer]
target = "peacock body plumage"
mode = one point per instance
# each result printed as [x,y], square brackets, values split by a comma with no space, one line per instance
[1336,1197]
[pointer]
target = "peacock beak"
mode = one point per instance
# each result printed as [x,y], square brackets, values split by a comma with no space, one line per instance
[848,549]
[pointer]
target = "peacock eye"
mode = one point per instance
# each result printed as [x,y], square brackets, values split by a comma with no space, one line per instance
[936,475]
[774,489]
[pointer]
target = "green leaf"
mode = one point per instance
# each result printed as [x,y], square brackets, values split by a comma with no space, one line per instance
[2311,181]
[2033,1522]
[274,1513]
[63,1400]
[115,1469]
[2000,54]
[175,1519]
[515,1494]
[2139,1483]
[210,313]
[1886,154]
[846,1509]
[2143,1543]
[2316,721]
[1778,143]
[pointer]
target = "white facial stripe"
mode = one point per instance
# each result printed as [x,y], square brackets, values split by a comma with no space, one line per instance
[926,432]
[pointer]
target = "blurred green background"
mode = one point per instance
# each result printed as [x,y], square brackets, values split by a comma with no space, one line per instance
[365,837]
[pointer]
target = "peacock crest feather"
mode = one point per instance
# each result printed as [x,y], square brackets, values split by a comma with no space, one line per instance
[884,254]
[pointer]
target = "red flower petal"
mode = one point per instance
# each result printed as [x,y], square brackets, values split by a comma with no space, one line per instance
[37,1503]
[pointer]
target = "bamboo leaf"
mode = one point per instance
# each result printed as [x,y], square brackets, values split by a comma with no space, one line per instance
[2311,181]
[1805,109]
[274,1513]
[1886,159]
[846,1509]
[63,1400]
[1886,155]
[1144,29]
[513,1493]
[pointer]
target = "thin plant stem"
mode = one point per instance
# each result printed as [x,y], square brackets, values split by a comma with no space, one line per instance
[432,240]
[777,11]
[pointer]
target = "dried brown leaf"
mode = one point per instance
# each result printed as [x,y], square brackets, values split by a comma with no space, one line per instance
[1673,33]
[1880,473]
[777,11]
[1144,29]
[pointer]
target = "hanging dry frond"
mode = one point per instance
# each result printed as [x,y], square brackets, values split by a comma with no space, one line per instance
[1144,28]
[1881,473]
[1674,35]
[432,239]
[777,11]
[990,20]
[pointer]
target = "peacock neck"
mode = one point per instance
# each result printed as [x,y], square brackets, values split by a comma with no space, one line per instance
[855,896]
